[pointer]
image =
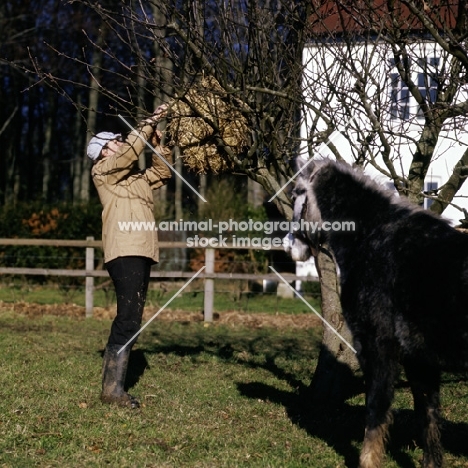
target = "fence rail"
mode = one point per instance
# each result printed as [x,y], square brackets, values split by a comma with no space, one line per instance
[90,244]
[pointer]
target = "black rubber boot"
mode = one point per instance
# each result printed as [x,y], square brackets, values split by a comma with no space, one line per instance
[114,371]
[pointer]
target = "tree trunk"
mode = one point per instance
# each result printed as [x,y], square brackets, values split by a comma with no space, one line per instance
[334,378]
[452,186]
[202,191]
[421,161]
[178,187]
[9,159]
[77,161]
[254,193]
[141,84]
[46,175]
[164,76]
[92,115]
[12,177]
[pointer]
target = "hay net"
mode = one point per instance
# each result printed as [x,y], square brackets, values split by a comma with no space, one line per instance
[204,113]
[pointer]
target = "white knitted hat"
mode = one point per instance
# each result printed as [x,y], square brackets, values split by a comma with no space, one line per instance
[97,143]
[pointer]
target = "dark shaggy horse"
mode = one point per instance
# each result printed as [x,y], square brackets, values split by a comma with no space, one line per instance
[404,293]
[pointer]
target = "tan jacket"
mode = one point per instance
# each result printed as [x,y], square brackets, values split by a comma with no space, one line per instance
[126,196]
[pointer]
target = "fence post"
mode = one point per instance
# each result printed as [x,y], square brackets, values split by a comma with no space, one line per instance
[209,285]
[89,299]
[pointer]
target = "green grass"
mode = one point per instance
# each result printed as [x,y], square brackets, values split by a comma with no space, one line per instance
[213,396]
[158,295]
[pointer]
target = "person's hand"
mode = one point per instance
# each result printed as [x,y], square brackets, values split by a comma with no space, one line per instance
[158,114]
[156,138]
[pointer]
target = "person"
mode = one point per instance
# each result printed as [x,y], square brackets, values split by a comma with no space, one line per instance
[126,195]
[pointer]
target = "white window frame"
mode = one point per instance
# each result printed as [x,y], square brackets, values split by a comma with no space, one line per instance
[401,102]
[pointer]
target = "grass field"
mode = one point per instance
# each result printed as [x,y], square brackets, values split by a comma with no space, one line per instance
[228,296]
[213,396]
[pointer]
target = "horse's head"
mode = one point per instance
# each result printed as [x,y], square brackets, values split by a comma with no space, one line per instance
[301,240]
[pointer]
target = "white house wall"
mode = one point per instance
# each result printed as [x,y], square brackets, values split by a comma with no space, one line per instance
[322,69]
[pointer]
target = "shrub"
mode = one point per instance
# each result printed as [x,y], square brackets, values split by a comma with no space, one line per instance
[59,221]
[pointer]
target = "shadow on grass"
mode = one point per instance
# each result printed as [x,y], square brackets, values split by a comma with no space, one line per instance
[137,366]
[339,426]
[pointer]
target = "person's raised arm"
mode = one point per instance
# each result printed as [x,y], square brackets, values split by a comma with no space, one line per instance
[159,173]
[117,166]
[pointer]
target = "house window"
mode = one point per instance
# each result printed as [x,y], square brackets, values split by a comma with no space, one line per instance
[430,189]
[399,96]
[427,80]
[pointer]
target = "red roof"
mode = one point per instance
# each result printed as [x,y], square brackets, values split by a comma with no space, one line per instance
[337,17]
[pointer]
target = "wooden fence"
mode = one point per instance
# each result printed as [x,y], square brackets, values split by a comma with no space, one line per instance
[90,244]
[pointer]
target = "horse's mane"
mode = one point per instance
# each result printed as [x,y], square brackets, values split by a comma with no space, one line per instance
[365,183]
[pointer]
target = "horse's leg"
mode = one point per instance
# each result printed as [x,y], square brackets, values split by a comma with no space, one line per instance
[380,368]
[424,379]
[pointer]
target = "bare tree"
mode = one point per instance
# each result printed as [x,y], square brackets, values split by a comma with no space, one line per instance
[253,50]
[397,83]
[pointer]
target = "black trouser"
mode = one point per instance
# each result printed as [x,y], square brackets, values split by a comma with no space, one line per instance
[130,276]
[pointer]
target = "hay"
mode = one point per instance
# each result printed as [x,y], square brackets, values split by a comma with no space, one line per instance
[190,129]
